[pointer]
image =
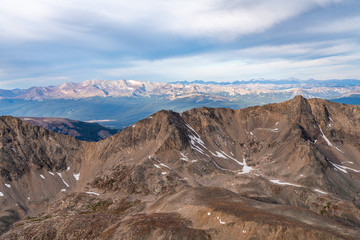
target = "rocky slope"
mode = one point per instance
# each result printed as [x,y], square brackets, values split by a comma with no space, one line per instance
[280,171]
[86,131]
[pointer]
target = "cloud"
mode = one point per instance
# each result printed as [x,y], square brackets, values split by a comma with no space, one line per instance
[337,26]
[319,60]
[38,20]
[244,64]
[164,40]
[33,81]
[301,50]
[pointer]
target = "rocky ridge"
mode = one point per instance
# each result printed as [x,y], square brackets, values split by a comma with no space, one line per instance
[288,170]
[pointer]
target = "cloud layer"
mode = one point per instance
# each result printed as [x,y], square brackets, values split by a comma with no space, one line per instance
[221,19]
[236,39]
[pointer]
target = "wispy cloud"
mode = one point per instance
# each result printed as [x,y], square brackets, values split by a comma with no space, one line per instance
[302,50]
[33,81]
[226,19]
[245,64]
[338,26]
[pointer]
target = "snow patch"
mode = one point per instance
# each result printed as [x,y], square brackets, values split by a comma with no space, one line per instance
[327,140]
[209,213]
[7,185]
[163,173]
[42,176]
[343,168]
[216,165]
[338,149]
[68,168]
[243,231]
[284,183]
[63,179]
[322,192]
[246,168]
[157,166]
[197,148]
[184,158]
[195,141]
[63,190]
[1,194]
[77,176]
[231,157]
[324,137]
[221,222]
[274,130]
[65,183]
[51,173]
[161,164]
[93,193]
[133,125]
[218,154]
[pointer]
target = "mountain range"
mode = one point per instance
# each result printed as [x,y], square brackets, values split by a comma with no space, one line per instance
[288,170]
[219,91]
[118,104]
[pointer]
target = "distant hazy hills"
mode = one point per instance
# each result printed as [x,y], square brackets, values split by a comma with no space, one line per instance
[121,103]
[81,130]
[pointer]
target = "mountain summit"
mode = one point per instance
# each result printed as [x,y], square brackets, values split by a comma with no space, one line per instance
[279,171]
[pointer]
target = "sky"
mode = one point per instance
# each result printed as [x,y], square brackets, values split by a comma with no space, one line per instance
[49,42]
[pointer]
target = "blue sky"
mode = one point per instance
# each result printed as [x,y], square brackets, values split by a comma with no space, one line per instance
[48,42]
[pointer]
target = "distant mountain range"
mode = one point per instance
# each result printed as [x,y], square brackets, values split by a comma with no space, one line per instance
[219,91]
[118,104]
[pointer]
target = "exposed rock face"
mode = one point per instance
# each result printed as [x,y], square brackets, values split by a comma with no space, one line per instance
[280,171]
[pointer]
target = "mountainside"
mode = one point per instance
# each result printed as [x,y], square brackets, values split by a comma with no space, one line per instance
[81,130]
[279,171]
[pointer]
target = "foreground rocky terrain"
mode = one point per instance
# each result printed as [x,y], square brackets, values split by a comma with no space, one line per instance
[279,171]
